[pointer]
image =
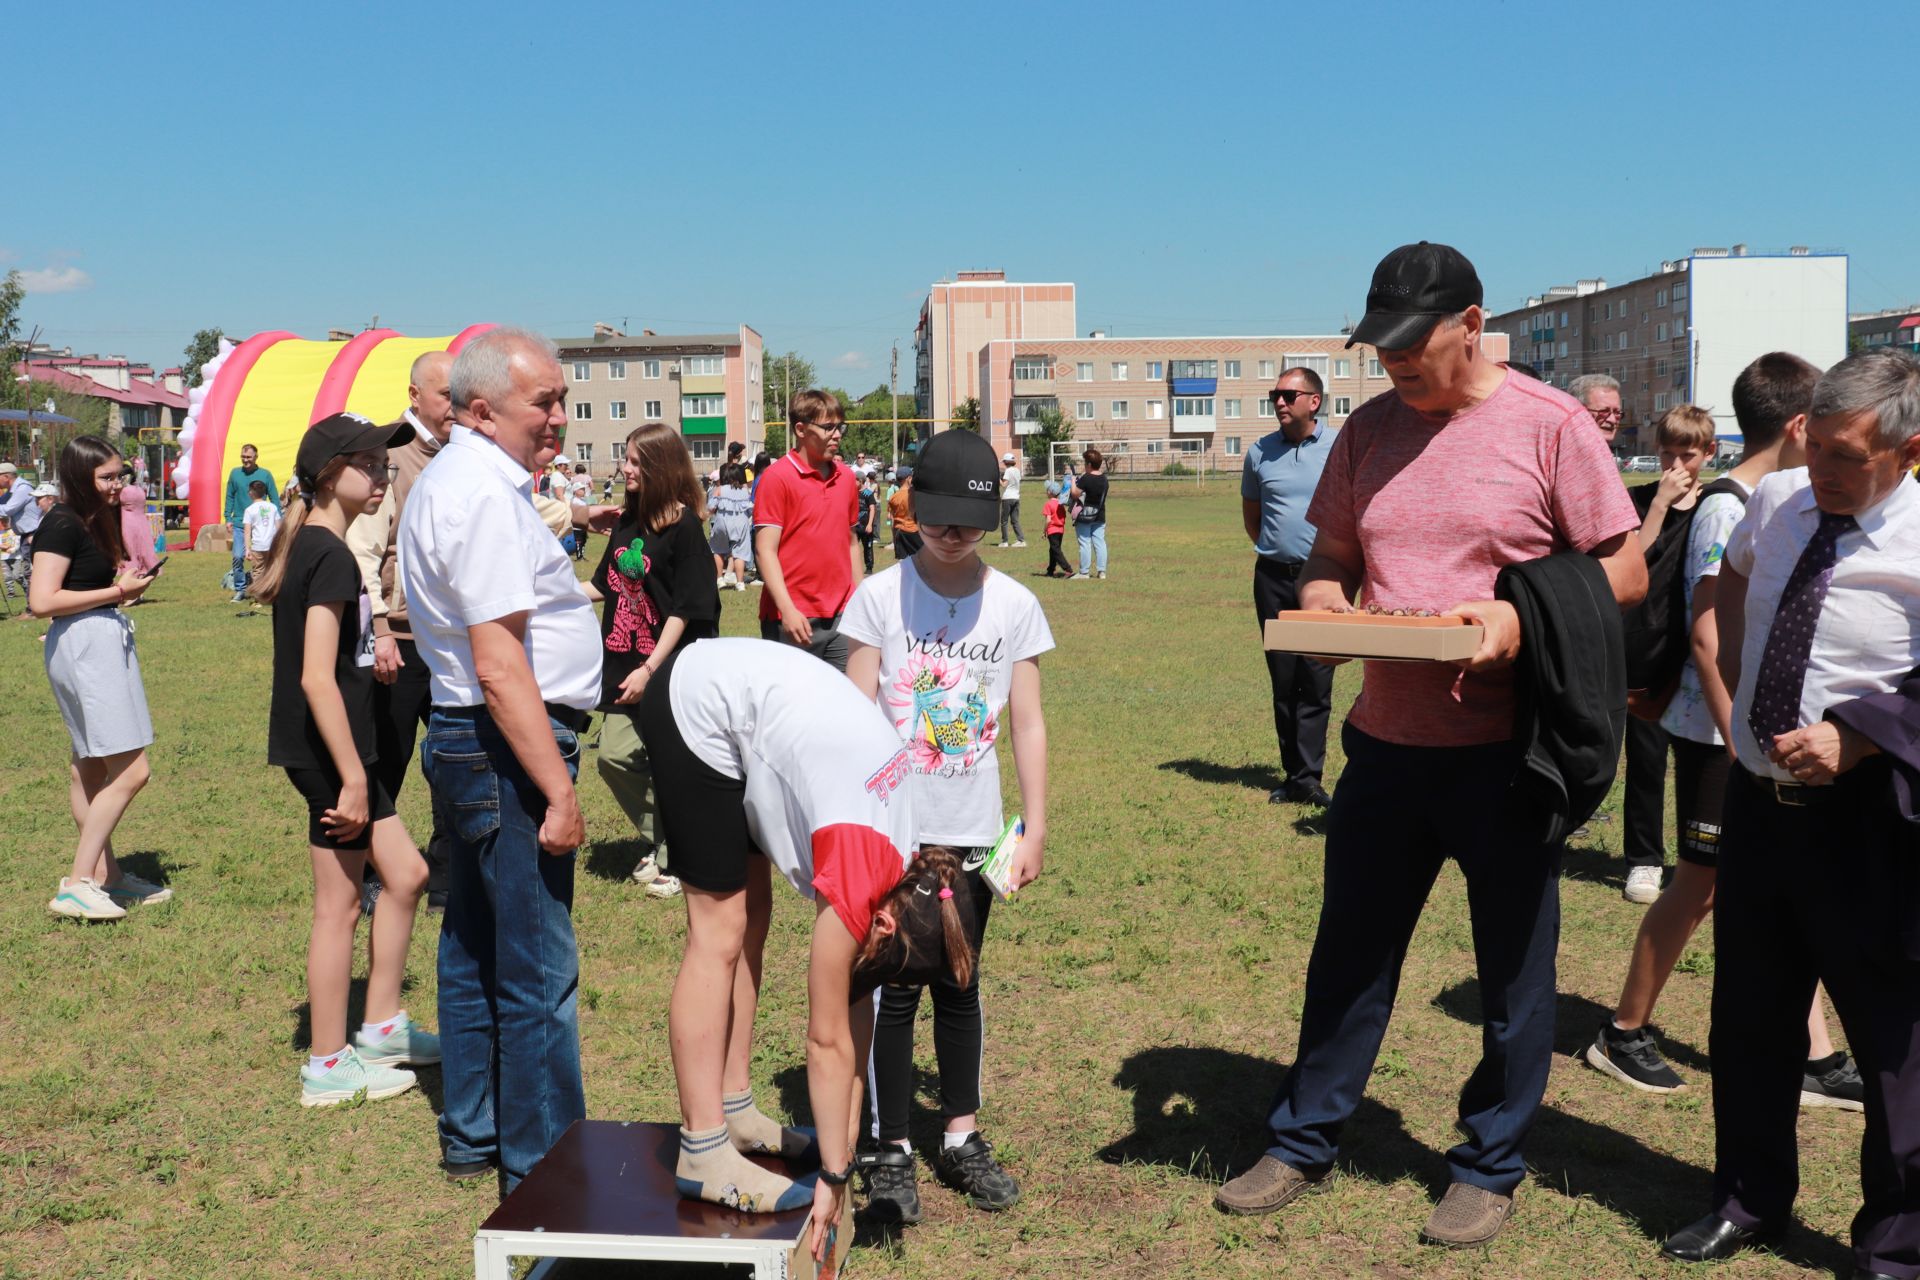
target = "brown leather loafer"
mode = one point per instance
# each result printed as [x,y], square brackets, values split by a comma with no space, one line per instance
[1466,1216]
[1265,1187]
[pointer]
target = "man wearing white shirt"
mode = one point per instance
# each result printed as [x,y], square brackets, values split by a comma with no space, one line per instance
[1819,606]
[512,648]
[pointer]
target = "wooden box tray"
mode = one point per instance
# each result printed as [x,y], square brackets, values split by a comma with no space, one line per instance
[1322,633]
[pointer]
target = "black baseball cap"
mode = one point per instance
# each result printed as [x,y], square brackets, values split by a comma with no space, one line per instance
[956,480]
[1414,288]
[340,434]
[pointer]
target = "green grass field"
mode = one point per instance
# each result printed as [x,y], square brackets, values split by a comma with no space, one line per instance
[1142,999]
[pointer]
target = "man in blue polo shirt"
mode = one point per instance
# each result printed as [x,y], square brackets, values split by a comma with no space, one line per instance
[1276,485]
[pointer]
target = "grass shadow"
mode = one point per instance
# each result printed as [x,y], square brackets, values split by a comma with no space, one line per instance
[1261,777]
[1200,1110]
[614,860]
[148,866]
[1575,1020]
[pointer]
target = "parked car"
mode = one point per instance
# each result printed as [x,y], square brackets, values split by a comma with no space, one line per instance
[1644,462]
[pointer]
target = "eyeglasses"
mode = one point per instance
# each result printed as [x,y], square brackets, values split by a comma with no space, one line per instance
[958,532]
[387,471]
[827,428]
[1602,415]
[1286,395]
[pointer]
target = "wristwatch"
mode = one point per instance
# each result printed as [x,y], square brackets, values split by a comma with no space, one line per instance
[839,1179]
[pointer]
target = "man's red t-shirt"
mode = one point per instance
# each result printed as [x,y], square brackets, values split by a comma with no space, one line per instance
[1438,508]
[815,516]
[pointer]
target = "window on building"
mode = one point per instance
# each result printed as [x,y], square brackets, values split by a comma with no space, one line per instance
[1266,368]
[653,411]
[753,371]
[1156,409]
[1609,342]
[1263,408]
[705,448]
[649,368]
[1660,402]
[1118,410]
[1119,368]
[1609,314]
[617,410]
[1374,369]
[582,411]
[1153,370]
[1679,293]
[703,406]
[1233,369]
[1342,406]
[1233,446]
[1083,371]
[1032,368]
[1660,368]
[1156,446]
[582,370]
[617,370]
[1195,369]
[1660,333]
[1660,298]
[1563,319]
[703,366]
[1187,407]
[583,451]
[1231,407]
[1563,351]
[1083,410]
[1318,363]
[1343,368]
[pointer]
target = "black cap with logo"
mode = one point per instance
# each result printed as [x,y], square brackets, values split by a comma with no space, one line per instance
[957,481]
[336,436]
[1414,288]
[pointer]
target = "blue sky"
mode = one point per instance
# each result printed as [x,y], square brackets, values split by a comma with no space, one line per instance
[810,169]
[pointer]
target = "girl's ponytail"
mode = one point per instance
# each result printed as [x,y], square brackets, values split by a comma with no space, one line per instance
[266,584]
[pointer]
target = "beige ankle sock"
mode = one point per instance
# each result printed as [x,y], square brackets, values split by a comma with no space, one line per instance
[755,1133]
[710,1169]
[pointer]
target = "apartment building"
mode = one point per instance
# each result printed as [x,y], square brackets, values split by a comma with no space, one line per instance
[1899,327]
[1683,333]
[706,385]
[962,315]
[135,396]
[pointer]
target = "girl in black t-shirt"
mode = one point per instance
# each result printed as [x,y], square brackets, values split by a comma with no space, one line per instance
[78,582]
[320,730]
[658,584]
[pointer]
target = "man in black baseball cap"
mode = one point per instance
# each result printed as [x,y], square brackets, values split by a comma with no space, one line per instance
[1414,288]
[338,436]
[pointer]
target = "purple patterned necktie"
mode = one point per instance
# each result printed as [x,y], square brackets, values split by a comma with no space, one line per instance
[1783,663]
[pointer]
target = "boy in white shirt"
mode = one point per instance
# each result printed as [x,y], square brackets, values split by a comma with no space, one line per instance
[260,522]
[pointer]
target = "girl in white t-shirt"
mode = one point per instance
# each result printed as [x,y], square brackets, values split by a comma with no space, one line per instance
[949,649]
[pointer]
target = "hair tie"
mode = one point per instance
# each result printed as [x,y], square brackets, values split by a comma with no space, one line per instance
[945,893]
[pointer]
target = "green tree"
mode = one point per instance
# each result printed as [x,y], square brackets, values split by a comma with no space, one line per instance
[778,374]
[1054,426]
[967,414]
[204,347]
[876,437]
[12,294]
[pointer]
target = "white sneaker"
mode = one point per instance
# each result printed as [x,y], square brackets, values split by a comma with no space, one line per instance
[1003,543]
[1019,544]
[664,886]
[648,871]
[1643,885]
[84,900]
[130,889]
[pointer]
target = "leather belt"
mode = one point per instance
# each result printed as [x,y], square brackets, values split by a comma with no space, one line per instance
[1288,569]
[1798,795]
[571,717]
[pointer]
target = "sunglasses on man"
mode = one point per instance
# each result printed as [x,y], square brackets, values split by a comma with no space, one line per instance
[1286,395]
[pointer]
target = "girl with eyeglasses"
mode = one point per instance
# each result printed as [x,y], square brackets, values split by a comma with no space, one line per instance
[321,731]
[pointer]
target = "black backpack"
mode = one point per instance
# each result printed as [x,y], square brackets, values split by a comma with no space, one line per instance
[1656,629]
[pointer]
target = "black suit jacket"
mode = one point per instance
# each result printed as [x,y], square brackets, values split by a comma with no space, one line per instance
[1891,722]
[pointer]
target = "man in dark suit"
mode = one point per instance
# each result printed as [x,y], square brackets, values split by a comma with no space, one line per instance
[1819,608]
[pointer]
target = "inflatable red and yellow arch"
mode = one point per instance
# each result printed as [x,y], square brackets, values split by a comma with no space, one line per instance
[267,390]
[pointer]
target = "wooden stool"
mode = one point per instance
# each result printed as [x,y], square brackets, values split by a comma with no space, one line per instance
[606,1191]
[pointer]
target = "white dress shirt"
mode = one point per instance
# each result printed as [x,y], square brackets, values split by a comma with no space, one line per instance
[1867,637]
[471,550]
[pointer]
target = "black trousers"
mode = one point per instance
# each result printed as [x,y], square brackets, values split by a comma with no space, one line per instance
[828,644]
[959,1038]
[399,710]
[1302,688]
[1644,803]
[1055,558]
[866,547]
[1781,925]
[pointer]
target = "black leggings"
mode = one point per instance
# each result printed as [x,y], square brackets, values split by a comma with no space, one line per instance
[959,1038]
[1054,556]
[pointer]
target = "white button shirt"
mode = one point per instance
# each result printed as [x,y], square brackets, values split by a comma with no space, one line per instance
[1867,637]
[471,550]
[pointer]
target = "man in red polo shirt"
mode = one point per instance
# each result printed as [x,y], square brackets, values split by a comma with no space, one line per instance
[803,515]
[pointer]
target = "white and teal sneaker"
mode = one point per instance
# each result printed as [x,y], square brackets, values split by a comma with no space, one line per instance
[350,1077]
[401,1041]
[84,900]
[130,890]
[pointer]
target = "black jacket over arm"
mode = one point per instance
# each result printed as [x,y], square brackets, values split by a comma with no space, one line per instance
[1891,722]
[1570,687]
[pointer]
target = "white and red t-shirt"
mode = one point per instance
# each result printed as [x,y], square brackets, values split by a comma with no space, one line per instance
[827,777]
[1438,508]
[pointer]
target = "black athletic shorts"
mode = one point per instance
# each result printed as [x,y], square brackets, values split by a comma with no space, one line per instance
[321,789]
[701,812]
[1699,797]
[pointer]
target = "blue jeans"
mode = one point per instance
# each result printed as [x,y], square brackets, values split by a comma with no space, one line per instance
[1398,813]
[509,968]
[239,556]
[1093,546]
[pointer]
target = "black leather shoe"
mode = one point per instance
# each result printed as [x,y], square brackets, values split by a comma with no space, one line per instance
[1310,792]
[1713,1239]
[464,1170]
[1279,795]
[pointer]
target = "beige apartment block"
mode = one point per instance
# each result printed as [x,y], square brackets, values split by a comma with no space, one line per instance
[705,385]
[962,315]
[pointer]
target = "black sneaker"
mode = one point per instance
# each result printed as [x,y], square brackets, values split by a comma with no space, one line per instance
[1839,1086]
[893,1191]
[971,1169]
[1632,1057]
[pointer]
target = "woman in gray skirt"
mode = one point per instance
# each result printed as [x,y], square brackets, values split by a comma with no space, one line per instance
[78,582]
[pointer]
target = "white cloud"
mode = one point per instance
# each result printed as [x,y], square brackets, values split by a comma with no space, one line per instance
[55,280]
[851,360]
